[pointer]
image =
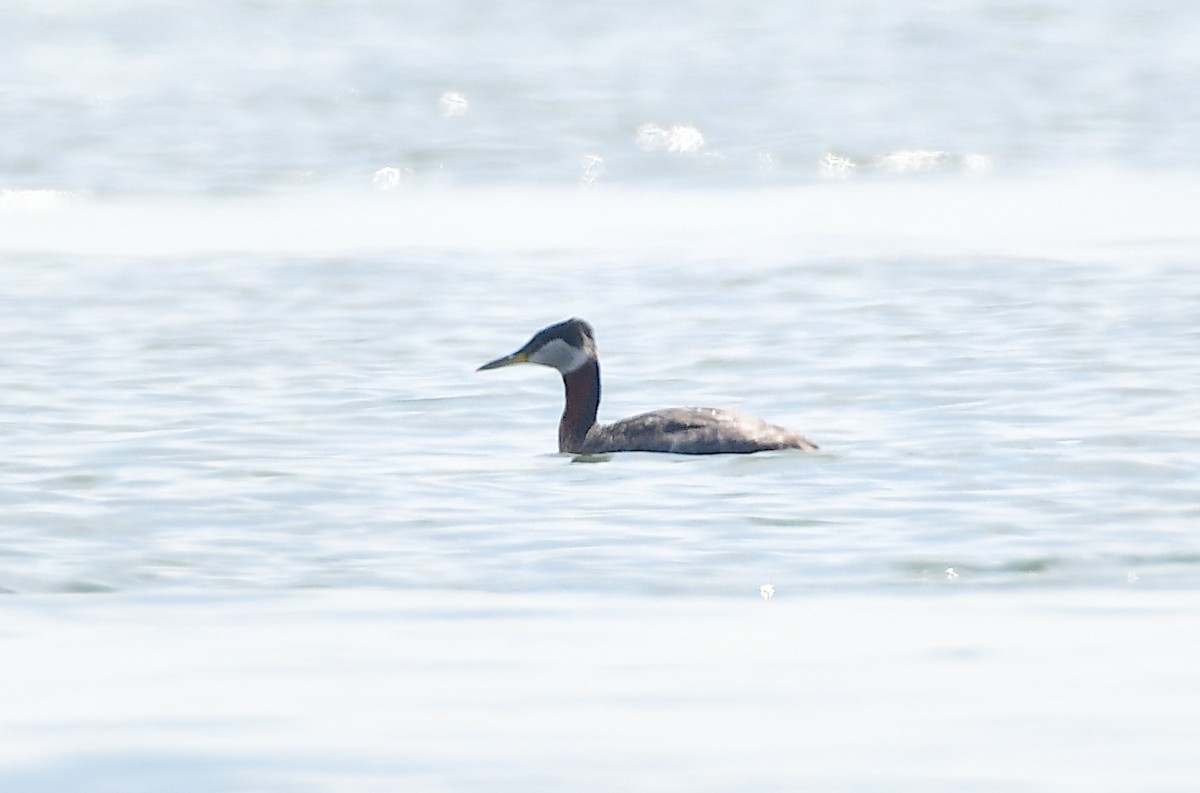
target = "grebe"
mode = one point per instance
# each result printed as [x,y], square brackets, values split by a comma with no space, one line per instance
[570,348]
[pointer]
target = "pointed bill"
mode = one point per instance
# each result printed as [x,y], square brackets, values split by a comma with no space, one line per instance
[508,360]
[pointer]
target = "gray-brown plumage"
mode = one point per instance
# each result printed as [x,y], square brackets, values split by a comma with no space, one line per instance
[570,347]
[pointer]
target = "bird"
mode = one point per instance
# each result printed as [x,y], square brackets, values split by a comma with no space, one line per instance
[570,347]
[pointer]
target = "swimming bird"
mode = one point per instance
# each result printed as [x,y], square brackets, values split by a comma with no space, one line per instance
[570,347]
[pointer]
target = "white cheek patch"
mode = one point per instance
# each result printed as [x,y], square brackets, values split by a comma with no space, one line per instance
[560,355]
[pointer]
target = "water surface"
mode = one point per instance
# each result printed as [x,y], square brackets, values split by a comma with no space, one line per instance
[262,525]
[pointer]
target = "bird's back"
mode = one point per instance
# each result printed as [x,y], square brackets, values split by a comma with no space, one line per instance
[693,431]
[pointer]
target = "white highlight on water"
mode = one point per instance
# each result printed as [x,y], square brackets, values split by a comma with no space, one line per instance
[388,178]
[768,163]
[679,139]
[837,166]
[978,163]
[452,104]
[914,161]
[33,200]
[593,167]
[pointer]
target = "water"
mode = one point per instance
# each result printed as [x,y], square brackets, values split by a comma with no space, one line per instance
[232,97]
[289,419]
[252,254]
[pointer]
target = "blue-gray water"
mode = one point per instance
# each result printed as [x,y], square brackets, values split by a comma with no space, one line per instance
[240,97]
[252,253]
[251,421]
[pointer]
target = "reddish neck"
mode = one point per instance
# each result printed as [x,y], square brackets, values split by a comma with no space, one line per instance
[583,401]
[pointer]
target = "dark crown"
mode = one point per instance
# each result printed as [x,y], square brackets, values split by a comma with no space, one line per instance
[574,332]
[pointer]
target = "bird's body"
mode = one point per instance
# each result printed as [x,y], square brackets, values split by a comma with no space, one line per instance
[570,348]
[691,431]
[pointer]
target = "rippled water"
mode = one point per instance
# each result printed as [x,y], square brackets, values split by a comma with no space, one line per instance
[252,254]
[233,96]
[288,420]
